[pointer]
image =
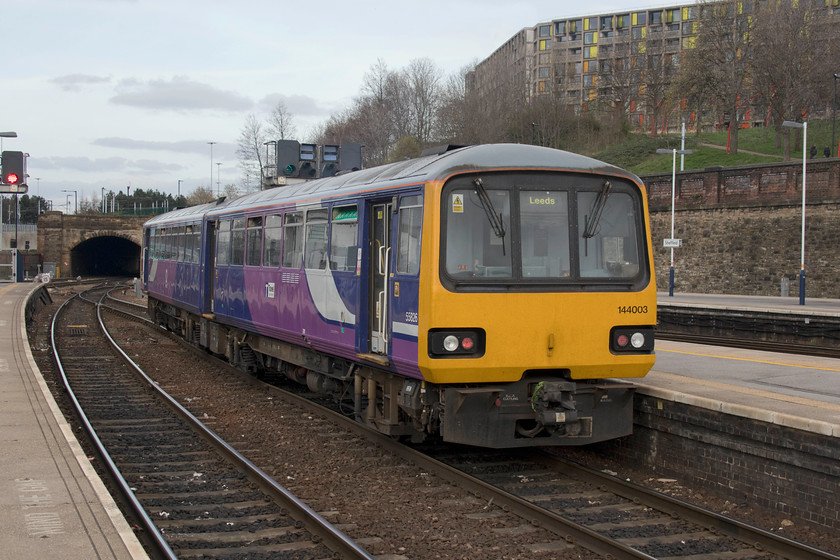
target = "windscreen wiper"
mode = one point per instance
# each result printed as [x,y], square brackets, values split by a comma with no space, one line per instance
[497,224]
[594,217]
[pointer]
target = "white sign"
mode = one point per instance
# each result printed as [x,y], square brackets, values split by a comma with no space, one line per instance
[672,243]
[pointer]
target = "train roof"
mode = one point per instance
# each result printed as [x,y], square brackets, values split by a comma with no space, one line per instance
[439,166]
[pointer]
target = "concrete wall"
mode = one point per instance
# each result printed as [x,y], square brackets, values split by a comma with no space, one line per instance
[741,228]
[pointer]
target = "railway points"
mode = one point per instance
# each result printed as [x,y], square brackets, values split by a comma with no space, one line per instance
[52,503]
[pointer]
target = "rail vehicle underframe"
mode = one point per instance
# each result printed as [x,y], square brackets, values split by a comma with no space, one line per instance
[542,408]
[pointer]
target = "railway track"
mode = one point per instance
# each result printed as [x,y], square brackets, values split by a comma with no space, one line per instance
[579,507]
[194,494]
[648,523]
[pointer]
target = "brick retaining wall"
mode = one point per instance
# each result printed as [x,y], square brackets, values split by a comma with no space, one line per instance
[741,229]
[742,460]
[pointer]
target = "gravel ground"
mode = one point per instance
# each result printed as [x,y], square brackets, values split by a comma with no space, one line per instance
[402,511]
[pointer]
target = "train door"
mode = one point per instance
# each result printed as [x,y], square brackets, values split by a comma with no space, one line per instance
[144,258]
[380,276]
[210,267]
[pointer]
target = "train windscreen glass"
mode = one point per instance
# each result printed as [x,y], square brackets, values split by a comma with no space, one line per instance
[541,229]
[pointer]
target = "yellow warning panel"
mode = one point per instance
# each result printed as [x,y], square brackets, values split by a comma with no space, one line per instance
[457,203]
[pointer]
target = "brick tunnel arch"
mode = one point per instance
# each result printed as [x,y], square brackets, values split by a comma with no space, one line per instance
[106,254]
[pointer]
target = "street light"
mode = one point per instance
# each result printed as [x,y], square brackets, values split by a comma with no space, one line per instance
[75,199]
[804,127]
[218,178]
[9,134]
[834,116]
[210,186]
[673,196]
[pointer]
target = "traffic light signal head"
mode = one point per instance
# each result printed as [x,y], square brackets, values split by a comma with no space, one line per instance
[14,168]
[288,155]
[329,160]
[308,160]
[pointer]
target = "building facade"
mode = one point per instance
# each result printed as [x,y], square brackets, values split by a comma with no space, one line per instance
[622,61]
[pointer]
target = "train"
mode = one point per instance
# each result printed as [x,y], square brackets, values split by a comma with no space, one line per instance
[494,295]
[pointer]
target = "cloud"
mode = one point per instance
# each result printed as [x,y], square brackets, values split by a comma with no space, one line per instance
[295,104]
[105,165]
[178,94]
[183,146]
[74,82]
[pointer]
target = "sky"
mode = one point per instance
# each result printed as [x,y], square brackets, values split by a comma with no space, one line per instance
[110,94]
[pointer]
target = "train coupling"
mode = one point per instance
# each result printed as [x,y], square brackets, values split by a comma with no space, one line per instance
[554,402]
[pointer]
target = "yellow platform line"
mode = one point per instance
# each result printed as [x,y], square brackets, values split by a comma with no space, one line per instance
[658,350]
[745,390]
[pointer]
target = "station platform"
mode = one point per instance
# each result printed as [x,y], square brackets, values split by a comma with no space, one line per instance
[768,304]
[52,503]
[791,390]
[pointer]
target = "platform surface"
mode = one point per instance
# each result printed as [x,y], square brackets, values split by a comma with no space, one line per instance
[818,306]
[52,503]
[792,390]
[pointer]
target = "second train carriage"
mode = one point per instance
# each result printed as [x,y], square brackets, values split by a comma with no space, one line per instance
[491,294]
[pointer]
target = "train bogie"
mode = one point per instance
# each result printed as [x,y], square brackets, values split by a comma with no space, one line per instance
[490,295]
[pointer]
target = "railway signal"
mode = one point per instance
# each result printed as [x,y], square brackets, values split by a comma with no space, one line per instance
[329,160]
[14,172]
[288,158]
[308,161]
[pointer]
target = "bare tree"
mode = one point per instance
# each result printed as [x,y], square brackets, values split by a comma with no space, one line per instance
[200,195]
[422,79]
[281,123]
[249,148]
[796,47]
[452,112]
[722,61]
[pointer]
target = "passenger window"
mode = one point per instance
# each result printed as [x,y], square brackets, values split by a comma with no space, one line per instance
[237,242]
[343,238]
[292,239]
[254,241]
[315,249]
[408,242]
[271,240]
[223,243]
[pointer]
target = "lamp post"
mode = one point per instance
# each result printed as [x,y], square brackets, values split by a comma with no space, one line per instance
[834,116]
[804,127]
[211,167]
[672,242]
[75,200]
[9,134]
[218,178]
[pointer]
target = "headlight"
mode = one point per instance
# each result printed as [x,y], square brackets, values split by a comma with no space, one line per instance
[456,343]
[450,343]
[631,339]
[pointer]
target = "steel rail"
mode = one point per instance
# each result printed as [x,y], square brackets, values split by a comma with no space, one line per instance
[331,537]
[760,539]
[124,488]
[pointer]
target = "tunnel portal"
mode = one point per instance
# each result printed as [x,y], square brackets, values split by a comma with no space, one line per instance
[105,255]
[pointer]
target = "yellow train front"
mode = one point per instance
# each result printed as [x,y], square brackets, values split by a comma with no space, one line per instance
[537,293]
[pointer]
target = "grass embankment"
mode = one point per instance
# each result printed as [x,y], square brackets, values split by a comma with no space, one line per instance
[755,145]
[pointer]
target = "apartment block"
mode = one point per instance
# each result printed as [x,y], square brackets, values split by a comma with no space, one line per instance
[621,61]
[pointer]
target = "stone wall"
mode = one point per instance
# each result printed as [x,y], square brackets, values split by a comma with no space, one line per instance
[741,229]
[59,233]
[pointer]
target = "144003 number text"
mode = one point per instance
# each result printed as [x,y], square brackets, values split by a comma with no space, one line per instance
[632,308]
